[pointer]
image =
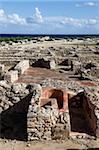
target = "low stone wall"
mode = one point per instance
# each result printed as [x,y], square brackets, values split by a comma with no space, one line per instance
[22,66]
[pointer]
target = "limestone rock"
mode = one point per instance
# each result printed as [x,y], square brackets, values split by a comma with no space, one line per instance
[18,87]
[22,66]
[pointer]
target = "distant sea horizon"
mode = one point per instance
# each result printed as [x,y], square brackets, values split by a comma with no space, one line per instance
[50,35]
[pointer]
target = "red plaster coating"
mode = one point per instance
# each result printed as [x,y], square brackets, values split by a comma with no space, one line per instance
[59,94]
[88,83]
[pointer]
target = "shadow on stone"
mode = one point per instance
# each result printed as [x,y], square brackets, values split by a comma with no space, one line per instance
[13,121]
[41,63]
[80,123]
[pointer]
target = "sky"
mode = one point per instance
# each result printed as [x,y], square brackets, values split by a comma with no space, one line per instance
[49,17]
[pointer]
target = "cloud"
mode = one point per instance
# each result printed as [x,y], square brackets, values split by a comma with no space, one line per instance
[92,22]
[89,4]
[74,22]
[11,19]
[3,17]
[37,18]
[92,4]
[60,20]
[2,13]
[71,21]
[16,19]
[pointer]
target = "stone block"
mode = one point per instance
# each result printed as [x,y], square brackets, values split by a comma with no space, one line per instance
[22,66]
[54,103]
[11,76]
[52,64]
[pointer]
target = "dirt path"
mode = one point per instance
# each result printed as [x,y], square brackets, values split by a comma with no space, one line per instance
[48,145]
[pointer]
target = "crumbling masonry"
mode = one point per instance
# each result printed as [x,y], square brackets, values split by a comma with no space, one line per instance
[50,109]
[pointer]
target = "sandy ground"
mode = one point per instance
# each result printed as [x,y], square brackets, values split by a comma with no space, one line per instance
[48,145]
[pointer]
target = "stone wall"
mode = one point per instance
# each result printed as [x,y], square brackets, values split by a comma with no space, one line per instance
[22,116]
[44,118]
[47,122]
[40,120]
[12,75]
[14,103]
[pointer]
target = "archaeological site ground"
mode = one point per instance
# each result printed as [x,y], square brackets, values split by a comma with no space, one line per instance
[49,92]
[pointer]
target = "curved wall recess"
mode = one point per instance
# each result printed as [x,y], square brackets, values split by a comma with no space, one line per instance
[60,95]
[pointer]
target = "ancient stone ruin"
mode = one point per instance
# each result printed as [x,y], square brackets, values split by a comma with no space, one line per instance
[43,104]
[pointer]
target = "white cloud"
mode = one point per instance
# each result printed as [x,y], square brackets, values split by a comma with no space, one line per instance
[63,21]
[51,21]
[92,22]
[89,4]
[72,21]
[92,4]
[12,19]
[3,17]
[2,13]
[37,18]
[16,19]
